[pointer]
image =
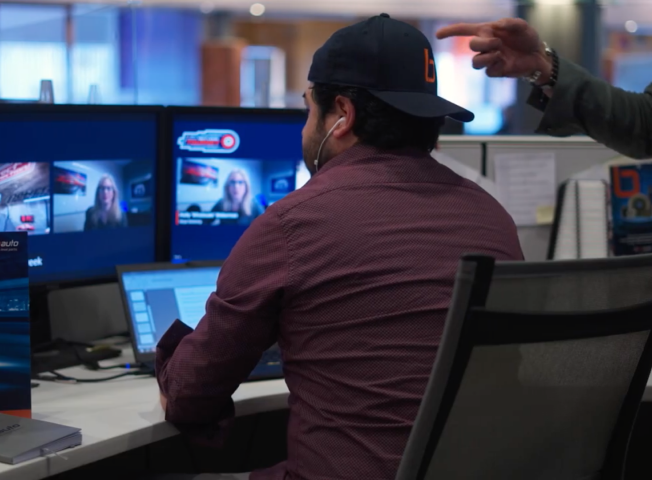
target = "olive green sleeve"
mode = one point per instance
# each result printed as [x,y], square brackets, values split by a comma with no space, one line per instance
[582,103]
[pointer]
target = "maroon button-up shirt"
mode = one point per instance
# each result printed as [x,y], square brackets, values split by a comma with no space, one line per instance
[352,275]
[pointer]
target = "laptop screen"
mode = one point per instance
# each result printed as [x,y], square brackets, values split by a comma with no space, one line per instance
[156,298]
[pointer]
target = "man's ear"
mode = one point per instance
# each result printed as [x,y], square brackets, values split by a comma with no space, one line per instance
[344,109]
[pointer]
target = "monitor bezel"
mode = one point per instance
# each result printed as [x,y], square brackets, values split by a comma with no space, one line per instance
[173,112]
[152,267]
[161,241]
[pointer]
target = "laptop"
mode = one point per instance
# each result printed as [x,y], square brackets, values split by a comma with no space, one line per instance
[156,294]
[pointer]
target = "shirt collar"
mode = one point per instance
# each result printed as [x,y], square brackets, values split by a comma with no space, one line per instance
[360,152]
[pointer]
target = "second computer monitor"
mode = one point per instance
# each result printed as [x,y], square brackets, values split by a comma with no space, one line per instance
[229,166]
[81,181]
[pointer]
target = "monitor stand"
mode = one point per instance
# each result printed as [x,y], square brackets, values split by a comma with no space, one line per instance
[48,354]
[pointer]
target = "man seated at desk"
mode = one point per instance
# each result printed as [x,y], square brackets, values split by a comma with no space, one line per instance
[352,274]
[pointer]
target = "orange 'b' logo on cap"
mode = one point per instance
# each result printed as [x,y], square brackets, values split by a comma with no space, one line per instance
[430,67]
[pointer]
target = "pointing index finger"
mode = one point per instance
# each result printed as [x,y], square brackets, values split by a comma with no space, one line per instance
[460,30]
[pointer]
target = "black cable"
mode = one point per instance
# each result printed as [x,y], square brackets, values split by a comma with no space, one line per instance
[114,367]
[57,377]
[128,366]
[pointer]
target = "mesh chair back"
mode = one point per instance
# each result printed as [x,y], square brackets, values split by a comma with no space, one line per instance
[539,375]
[571,286]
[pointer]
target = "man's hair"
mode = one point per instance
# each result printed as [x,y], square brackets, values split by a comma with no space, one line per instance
[378,124]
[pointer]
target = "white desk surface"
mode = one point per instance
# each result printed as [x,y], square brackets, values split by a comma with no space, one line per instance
[124,414]
[118,416]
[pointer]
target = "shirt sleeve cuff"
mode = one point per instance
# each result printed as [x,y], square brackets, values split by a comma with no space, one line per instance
[538,99]
[214,435]
[559,110]
[210,435]
[170,341]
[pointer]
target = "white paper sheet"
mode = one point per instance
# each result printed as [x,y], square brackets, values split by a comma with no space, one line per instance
[466,172]
[525,183]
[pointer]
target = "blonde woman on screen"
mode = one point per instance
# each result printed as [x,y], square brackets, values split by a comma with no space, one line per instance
[238,198]
[106,212]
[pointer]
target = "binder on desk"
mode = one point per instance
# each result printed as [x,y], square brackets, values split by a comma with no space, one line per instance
[15,378]
[23,439]
[581,225]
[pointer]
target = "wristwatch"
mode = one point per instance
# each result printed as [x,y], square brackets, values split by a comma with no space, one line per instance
[534,78]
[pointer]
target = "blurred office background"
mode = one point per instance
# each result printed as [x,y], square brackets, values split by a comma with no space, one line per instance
[240,52]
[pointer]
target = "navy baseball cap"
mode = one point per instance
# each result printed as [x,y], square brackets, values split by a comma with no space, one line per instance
[391,60]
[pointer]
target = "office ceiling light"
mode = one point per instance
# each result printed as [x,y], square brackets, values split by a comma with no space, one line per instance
[206,7]
[631,26]
[257,9]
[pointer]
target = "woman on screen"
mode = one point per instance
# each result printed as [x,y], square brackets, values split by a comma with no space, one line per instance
[238,198]
[106,212]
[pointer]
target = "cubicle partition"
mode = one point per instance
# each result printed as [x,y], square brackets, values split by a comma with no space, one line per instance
[571,156]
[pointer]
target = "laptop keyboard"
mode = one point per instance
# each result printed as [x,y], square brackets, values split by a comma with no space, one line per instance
[269,366]
[271,357]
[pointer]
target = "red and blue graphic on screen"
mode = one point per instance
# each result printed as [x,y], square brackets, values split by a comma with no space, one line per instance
[25,197]
[209,141]
[198,173]
[68,182]
[229,169]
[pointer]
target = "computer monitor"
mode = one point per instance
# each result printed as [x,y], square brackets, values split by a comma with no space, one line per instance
[228,166]
[81,181]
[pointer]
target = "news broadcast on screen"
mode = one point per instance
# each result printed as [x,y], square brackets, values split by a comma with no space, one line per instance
[87,191]
[227,171]
[229,192]
[93,197]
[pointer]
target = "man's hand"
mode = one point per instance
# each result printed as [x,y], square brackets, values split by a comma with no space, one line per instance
[164,401]
[506,48]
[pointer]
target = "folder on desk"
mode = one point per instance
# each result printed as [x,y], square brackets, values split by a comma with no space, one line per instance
[23,439]
[581,221]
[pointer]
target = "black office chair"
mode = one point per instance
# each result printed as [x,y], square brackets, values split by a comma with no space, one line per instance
[540,372]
